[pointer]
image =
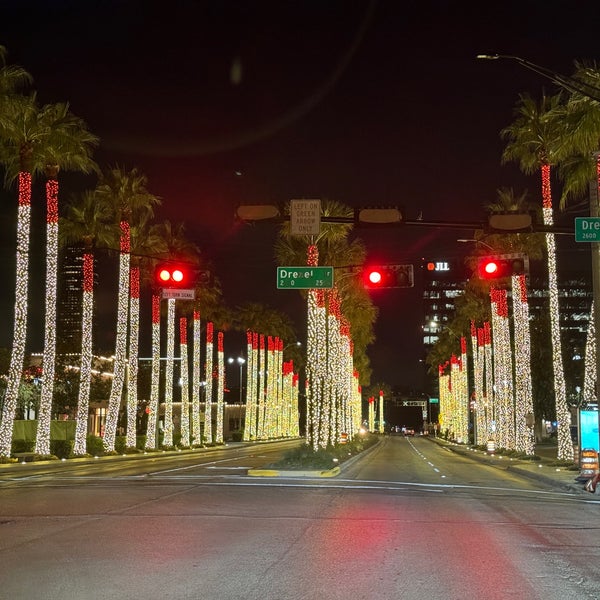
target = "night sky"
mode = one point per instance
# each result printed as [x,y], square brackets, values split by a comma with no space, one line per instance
[367,103]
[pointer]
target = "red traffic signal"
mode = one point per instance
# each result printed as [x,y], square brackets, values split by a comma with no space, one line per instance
[388,276]
[171,275]
[504,265]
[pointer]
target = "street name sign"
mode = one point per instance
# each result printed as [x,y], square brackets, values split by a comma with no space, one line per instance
[587,229]
[304,278]
[305,217]
[177,294]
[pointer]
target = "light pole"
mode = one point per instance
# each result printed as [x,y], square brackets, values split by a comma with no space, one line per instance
[466,240]
[593,93]
[241,361]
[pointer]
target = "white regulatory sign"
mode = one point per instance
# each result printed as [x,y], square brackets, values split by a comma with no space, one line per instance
[305,217]
[176,294]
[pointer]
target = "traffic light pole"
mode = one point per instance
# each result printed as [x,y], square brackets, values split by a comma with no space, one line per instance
[595,212]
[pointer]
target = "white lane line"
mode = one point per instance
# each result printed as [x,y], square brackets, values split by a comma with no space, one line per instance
[195,466]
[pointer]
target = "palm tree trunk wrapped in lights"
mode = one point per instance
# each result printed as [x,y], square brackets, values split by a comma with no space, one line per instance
[42,439]
[270,391]
[151,441]
[85,370]
[88,222]
[524,438]
[220,387]
[347,379]
[262,386]
[563,416]
[251,372]
[461,389]
[590,377]
[381,424]
[503,370]
[197,340]
[371,413]
[480,368]
[478,407]
[490,396]
[120,361]
[356,419]
[185,384]
[132,371]
[20,323]
[169,374]
[208,376]
[444,386]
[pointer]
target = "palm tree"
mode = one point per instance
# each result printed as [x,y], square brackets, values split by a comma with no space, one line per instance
[534,142]
[68,145]
[12,79]
[132,203]
[146,242]
[88,221]
[15,112]
[177,247]
[330,247]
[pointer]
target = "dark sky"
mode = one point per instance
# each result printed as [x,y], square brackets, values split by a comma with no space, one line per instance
[368,103]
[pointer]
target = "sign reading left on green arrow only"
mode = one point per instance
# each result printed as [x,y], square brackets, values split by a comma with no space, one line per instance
[304,278]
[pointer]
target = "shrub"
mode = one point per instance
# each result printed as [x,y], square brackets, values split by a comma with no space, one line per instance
[22,446]
[61,448]
[94,445]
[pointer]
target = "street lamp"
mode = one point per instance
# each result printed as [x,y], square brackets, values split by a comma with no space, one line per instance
[241,361]
[593,93]
[297,344]
[466,240]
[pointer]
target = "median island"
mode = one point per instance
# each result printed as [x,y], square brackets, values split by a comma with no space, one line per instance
[324,462]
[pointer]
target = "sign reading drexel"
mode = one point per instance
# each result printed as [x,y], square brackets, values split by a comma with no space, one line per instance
[587,229]
[304,278]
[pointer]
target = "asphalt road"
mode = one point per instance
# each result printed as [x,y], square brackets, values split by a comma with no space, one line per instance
[409,519]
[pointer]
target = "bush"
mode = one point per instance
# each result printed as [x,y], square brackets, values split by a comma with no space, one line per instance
[22,446]
[237,436]
[94,445]
[61,448]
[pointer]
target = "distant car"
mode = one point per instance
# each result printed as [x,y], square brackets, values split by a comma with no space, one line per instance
[409,432]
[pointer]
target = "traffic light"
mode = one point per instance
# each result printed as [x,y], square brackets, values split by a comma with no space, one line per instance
[174,275]
[503,265]
[388,276]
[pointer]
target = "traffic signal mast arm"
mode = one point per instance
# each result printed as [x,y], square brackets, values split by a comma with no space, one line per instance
[393,217]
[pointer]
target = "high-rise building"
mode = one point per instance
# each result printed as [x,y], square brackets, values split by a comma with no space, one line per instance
[70,294]
[444,280]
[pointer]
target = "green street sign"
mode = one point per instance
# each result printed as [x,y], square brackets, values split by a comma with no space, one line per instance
[587,229]
[304,278]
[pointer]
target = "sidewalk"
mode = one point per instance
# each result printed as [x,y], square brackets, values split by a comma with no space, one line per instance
[541,470]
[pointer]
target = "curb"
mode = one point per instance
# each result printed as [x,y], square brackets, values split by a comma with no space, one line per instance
[275,473]
[334,472]
[512,465]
